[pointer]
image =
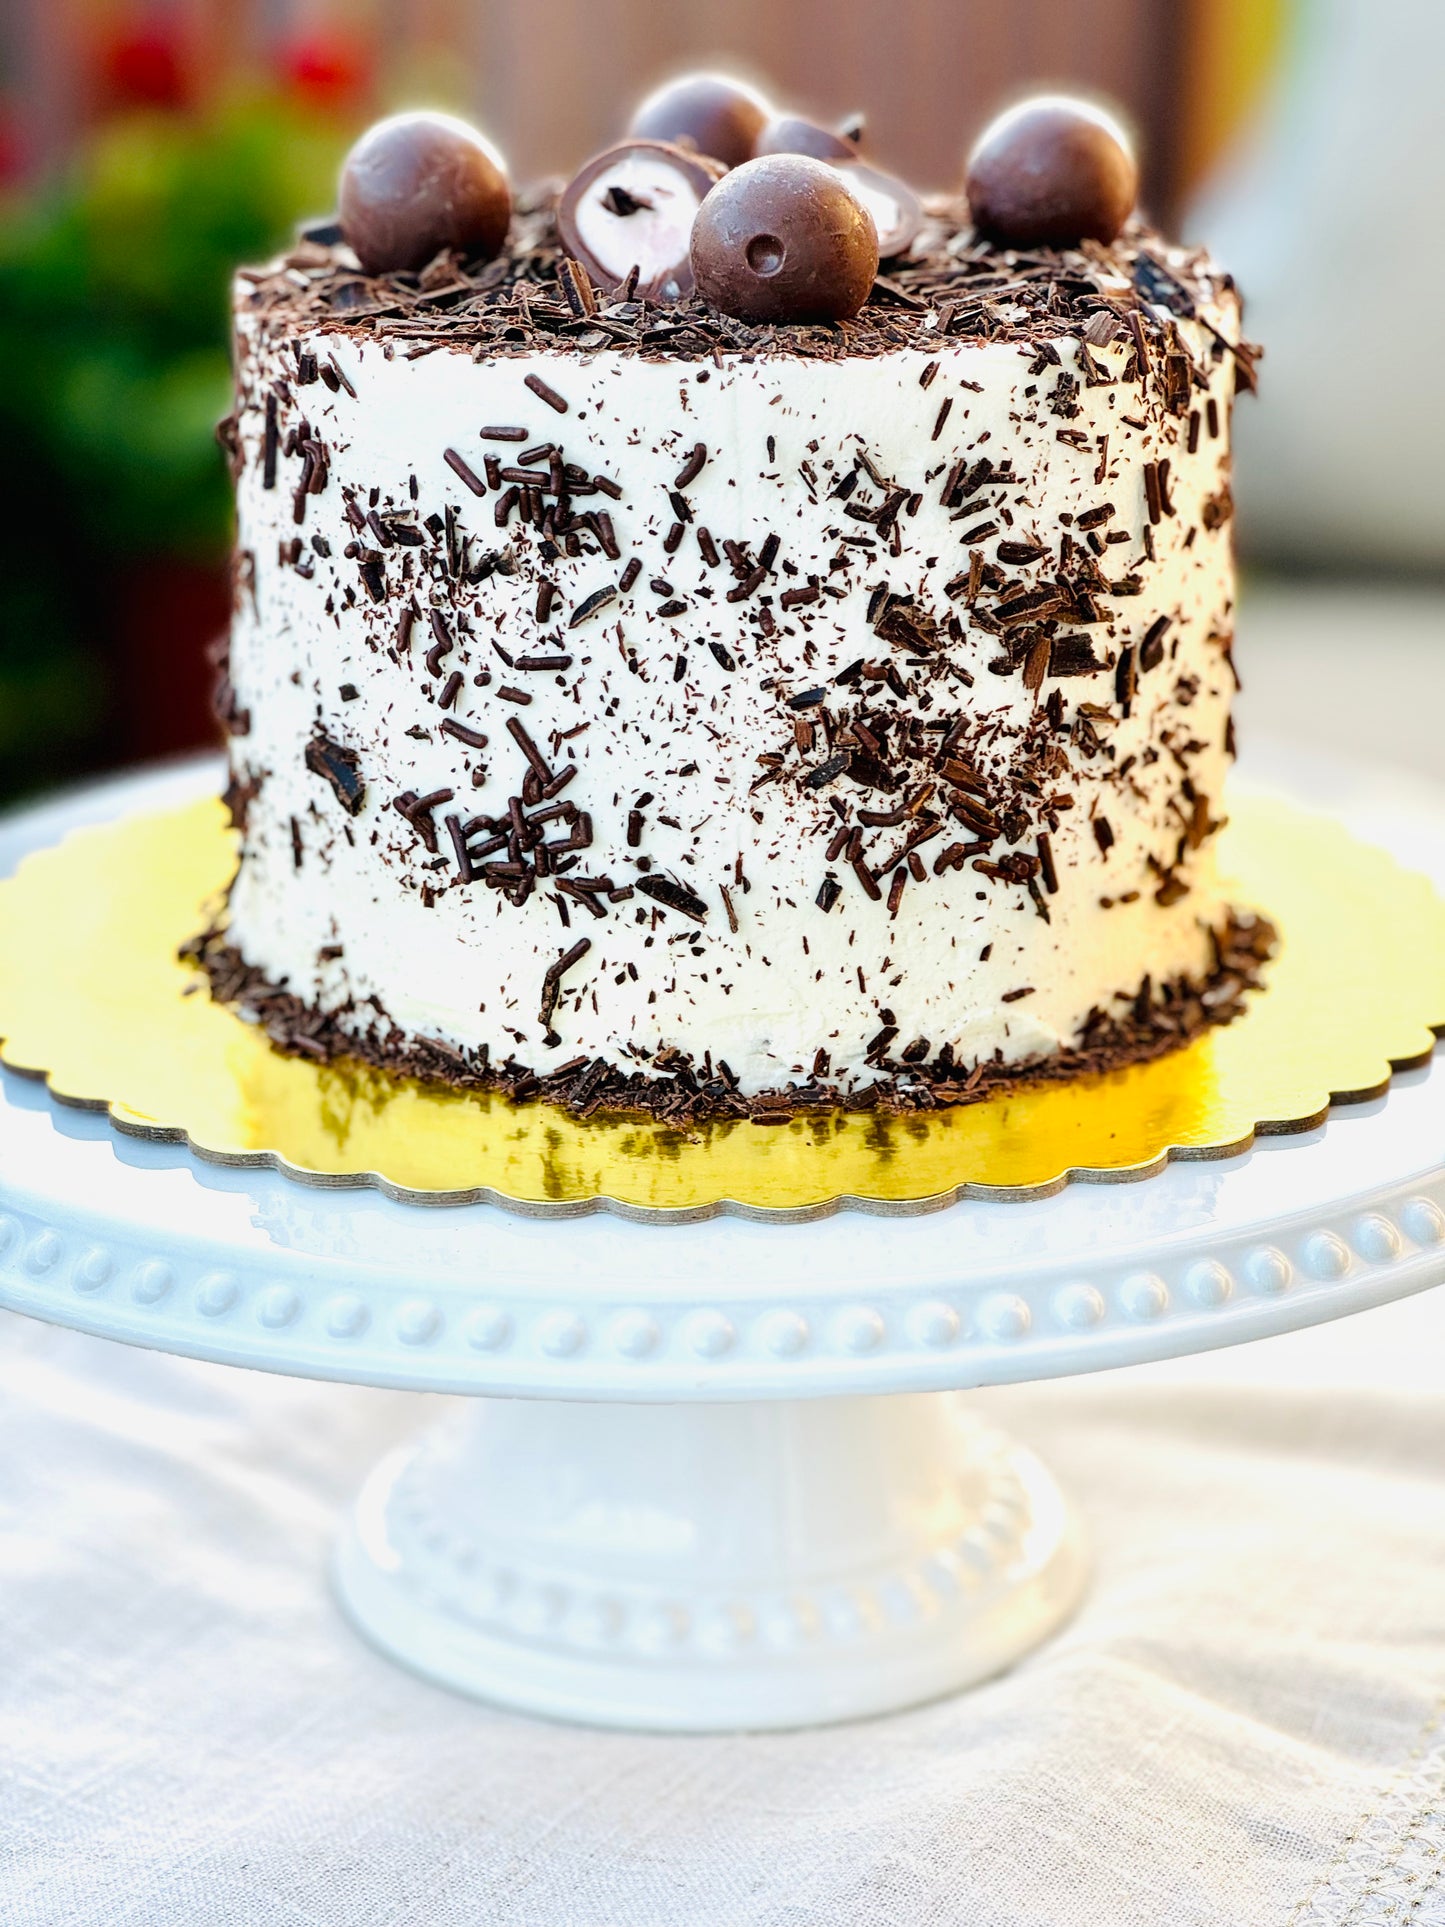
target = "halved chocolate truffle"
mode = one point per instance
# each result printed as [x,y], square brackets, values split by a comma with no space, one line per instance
[632,206]
[896,210]
[710,112]
[783,238]
[417,183]
[1052,172]
[790,134]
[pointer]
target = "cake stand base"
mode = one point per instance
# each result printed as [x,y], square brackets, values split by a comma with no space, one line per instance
[710,1567]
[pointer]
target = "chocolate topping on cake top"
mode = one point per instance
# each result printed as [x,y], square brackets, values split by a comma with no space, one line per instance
[950,285]
[1042,246]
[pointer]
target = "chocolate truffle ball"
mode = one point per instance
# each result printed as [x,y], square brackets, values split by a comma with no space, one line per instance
[632,206]
[896,210]
[1052,172]
[788,134]
[782,238]
[417,183]
[708,112]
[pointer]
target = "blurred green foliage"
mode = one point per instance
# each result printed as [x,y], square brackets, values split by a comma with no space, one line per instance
[114,341]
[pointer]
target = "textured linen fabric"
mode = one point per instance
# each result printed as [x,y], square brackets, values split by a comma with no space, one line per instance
[1242,1726]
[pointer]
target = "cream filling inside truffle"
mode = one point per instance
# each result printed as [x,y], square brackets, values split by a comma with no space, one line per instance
[654,237]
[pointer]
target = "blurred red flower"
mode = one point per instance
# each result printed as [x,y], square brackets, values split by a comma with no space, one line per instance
[14,149]
[144,66]
[328,69]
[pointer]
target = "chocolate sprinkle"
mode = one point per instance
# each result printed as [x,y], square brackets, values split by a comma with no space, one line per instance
[459,467]
[544,393]
[270,444]
[692,467]
[530,750]
[552,982]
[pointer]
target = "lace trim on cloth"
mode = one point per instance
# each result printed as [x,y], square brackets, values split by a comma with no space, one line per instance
[1391,1870]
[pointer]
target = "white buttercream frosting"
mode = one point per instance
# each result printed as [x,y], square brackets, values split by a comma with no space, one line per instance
[671,713]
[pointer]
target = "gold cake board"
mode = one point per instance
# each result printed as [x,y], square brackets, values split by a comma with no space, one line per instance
[94,999]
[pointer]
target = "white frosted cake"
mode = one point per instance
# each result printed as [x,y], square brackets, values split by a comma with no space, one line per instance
[641,707]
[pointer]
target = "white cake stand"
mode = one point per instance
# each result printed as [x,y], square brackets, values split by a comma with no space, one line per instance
[672,1500]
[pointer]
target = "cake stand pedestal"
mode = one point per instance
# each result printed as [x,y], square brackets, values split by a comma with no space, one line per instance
[708,1475]
[776,1563]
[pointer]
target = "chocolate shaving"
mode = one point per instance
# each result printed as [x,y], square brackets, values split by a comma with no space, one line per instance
[676,896]
[589,606]
[1151,649]
[341,768]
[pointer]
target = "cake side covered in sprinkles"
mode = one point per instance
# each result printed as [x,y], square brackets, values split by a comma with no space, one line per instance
[645,704]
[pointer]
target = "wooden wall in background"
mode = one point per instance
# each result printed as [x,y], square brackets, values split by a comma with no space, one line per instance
[555,81]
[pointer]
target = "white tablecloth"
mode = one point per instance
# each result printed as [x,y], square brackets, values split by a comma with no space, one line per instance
[1242,1727]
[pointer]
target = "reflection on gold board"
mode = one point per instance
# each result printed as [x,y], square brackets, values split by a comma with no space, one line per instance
[92,995]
